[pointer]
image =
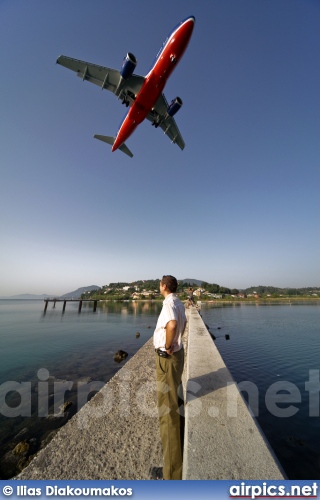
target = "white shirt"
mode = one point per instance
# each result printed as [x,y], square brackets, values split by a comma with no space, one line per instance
[172,309]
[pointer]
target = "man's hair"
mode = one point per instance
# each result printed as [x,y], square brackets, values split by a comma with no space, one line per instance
[171,283]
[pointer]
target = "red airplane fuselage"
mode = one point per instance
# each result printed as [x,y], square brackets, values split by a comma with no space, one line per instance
[155,80]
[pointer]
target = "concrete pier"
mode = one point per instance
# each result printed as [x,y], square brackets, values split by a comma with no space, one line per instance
[222,439]
[116,435]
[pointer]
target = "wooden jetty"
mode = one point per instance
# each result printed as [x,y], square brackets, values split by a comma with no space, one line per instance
[46,301]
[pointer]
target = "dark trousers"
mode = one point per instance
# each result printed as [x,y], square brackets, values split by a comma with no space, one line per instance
[171,410]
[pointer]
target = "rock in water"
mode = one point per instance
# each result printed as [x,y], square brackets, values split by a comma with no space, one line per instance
[21,448]
[120,356]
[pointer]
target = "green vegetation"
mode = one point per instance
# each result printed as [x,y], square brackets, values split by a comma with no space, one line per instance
[274,292]
[149,290]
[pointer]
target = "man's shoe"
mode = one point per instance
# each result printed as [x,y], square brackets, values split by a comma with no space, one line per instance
[156,473]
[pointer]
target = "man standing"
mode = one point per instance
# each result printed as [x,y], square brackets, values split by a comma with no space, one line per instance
[169,367]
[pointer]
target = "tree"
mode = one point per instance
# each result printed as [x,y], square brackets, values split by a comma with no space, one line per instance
[214,288]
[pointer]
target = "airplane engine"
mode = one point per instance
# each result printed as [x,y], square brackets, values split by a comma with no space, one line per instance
[174,106]
[128,66]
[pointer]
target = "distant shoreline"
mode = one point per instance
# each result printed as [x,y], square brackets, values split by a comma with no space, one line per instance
[265,299]
[285,300]
[250,302]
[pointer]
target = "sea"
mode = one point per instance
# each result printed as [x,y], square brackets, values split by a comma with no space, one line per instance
[274,348]
[56,347]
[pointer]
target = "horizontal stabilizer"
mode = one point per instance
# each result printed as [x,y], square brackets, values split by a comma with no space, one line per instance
[105,138]
[110,140]
[126,150]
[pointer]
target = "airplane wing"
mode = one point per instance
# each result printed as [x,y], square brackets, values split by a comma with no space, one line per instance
[167,123]
[106,78]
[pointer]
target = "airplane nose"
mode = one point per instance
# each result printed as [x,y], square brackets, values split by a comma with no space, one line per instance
[188,25]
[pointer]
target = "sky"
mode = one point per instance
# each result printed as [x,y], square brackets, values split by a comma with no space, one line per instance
[239,206]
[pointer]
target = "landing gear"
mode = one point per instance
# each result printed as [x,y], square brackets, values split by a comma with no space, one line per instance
[156,122]
[125,101]
[127,97]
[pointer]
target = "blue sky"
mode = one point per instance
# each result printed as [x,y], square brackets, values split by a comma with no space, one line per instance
[238,207]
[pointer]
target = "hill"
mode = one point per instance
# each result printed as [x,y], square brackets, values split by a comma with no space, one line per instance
[191,281]
[26,296]
[76,294]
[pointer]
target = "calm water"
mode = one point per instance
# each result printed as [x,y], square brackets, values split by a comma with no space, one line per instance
[269,344]
[30,339]
[72,347]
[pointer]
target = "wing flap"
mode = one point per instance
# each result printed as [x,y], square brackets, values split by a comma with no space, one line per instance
[106,78]
[99,75]
[167,123]
[170,128]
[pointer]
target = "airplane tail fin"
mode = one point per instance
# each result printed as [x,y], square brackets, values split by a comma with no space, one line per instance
[110,140]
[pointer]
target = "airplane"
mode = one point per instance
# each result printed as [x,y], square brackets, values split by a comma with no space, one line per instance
[143,94]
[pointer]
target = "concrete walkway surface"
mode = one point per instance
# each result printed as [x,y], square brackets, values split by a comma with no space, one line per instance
[222,439]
